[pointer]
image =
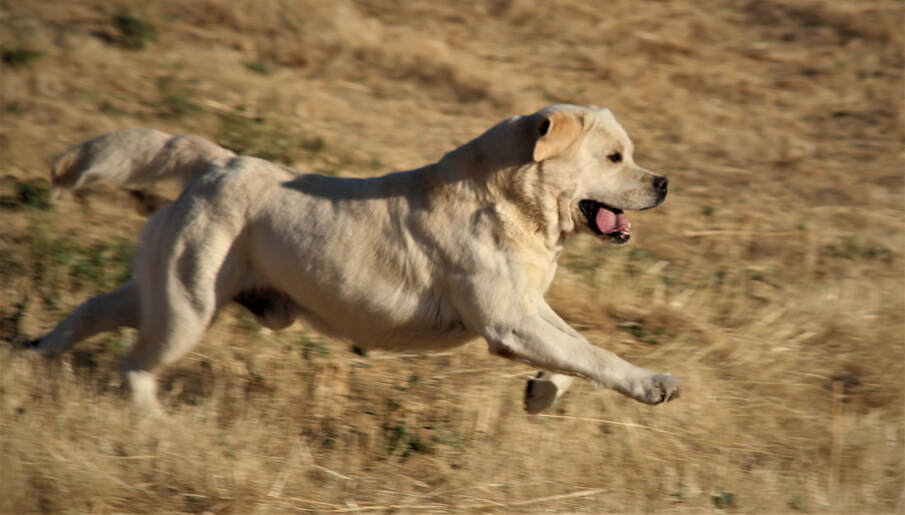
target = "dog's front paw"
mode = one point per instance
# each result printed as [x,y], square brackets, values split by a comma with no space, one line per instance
[657,388]
[540,393]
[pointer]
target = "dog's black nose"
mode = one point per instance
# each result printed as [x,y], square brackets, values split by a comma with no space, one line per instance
[660,183]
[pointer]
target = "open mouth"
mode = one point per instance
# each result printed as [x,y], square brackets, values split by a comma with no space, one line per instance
[607,222]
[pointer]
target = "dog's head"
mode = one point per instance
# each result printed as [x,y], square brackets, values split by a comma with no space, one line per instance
[587,157]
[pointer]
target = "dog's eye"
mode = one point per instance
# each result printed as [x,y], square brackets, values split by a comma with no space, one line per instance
[615,157]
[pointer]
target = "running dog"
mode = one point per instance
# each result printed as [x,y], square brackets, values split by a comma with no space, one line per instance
[424,259]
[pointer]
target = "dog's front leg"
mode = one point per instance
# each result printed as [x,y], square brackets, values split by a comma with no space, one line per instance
[534,340]
[542,390]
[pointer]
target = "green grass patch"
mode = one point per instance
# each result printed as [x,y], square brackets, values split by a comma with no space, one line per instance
[28,195]
[108,107]
[400,440]
[650,337]
[103,265]
[175,98]
[247,323]
[723,499]
[14,108]
[857,248]
[265,139]
[260,67]
[19,56]
[312,347]
[445,437]
[60,261]
[404,441]
[10,265]
[132,32]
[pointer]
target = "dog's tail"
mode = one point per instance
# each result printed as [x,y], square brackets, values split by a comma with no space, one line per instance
[135,159]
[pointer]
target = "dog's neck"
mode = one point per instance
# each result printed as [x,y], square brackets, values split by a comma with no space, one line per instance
[503,175]
[503,146]
[545,209]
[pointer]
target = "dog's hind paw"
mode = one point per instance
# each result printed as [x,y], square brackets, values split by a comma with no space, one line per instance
[36,346]
[28,343]
[540,393]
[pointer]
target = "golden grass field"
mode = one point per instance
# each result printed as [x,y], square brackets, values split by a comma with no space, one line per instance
[771,281]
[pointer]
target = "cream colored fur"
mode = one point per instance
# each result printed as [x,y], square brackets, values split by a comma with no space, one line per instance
[424,259]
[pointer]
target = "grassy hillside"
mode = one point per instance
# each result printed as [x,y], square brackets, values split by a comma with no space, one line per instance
[771,281]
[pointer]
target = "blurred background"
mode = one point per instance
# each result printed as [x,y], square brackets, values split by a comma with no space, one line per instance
[771,281]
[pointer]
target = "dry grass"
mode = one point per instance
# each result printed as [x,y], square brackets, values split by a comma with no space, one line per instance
[771,281]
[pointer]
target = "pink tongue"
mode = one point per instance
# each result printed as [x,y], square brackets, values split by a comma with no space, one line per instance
[609,222]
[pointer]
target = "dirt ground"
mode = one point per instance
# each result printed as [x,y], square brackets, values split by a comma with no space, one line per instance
[771,281]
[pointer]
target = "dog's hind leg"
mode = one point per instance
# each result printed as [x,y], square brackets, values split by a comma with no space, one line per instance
[175,311]
[118,308]
[170,326]
[155,348]
[185,278]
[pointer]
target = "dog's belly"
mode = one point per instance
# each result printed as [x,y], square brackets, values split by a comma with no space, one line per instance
[374,312]
[387,329]
[422,325]
[418,339]
[355,271]
[434,328]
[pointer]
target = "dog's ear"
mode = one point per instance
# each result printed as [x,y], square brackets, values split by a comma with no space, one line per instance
[556,132]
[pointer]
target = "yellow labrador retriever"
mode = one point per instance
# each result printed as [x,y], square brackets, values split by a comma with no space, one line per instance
[418,260]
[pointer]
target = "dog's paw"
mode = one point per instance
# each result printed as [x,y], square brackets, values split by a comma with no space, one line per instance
[540,393]
[38,346]
[23,342]
[658,388]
